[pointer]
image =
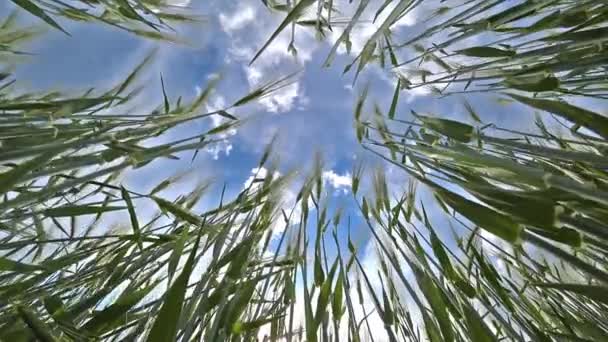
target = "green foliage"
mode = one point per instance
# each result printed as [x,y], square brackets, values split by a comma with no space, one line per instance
[146,18]
[544,189]
[528,255]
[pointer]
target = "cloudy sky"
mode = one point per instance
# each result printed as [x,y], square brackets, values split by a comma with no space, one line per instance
[312,114]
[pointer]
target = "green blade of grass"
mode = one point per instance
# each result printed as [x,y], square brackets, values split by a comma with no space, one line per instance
[38,12]
[165,325]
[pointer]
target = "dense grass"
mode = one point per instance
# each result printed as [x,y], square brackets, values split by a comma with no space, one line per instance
[527,210]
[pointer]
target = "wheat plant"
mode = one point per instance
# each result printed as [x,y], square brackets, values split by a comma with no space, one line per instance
[525,210]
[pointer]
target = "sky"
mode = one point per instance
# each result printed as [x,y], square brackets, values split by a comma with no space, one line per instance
[313,114]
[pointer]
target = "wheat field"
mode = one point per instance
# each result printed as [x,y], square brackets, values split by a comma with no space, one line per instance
[522,256]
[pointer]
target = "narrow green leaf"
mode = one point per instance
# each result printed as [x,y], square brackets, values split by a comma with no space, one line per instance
[450,128]
[79,210]
[227,115]
[221,128]
[488,219]
[324,294]
[478,331]
[389,316]
[486,51]
[256,93]
[547,83]
[391,111]
[294,14]
[38,12]
[338,297]
[594,292]
[165,325]
[177,252]
[442,256]
[471,111]
[40,329]
[15,266]
[567,236]
[319,275]
[12,177]
[240,328]
[231,316]
[104,320]
[178,211]
[70,106]
[132,215]
[165,99]
[582,117]
[433,295]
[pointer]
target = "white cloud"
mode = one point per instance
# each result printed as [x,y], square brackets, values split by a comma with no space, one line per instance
[249,27]
[218,148]
[410,94]
[361,32]
[337,181]
[241,18]
[284,99]
[258,173]
[180,2]
[176,3]
[224,145]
